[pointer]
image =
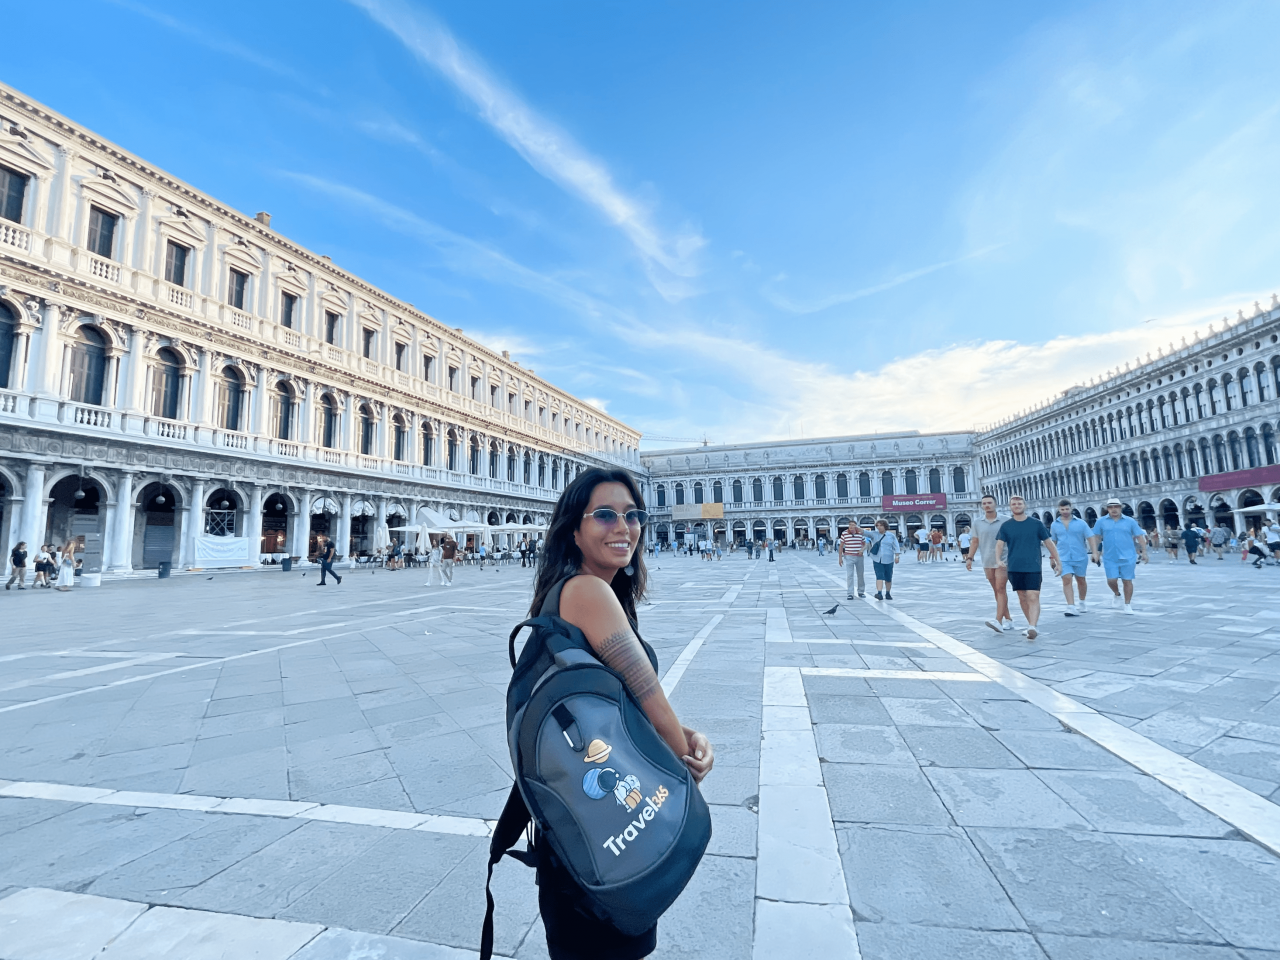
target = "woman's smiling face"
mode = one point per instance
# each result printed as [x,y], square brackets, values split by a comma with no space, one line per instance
[607,546]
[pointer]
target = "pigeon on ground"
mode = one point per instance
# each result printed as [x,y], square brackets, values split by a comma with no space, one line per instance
[208,578]
[827,613]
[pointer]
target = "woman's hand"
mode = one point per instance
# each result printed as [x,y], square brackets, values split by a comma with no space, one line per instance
[701,757]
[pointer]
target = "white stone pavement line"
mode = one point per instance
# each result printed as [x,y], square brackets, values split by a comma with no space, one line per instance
[86,671]
[677,669]
[1256,818]
[40,924]
[731,594]
[860,643]
[282,809]
[776,628]
[802,903]
[868,674]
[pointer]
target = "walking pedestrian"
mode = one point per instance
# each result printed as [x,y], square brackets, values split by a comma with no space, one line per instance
[986,529]
[67,566]
[769,543]
[885,551]
[448,556]
[592,550]
[1253,547]
[1273,539]
[1191,539]
[935,545]
[1071,535]
[328,553]
[44,567]
[1018,546]
[18,561]
[1121,541]
[1218,537]
[822,546]
[966,541]
[1171,543]
[851,546]
[433,565]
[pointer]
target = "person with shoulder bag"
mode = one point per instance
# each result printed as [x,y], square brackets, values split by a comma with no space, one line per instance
[885,551]
[603,767]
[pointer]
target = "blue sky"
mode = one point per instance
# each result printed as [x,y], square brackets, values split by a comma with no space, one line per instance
[734,220]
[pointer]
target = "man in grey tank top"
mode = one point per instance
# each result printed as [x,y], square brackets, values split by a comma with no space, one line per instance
[985,529]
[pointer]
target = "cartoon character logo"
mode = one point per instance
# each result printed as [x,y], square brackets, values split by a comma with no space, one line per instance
[599,782]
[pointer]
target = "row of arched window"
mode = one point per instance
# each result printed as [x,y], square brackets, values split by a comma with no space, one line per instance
[1237,450]
[796,488]
[1234,391]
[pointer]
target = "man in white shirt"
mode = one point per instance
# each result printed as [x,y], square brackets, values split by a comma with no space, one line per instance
[985,530]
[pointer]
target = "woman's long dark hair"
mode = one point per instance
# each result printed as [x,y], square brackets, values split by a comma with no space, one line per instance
[560,556]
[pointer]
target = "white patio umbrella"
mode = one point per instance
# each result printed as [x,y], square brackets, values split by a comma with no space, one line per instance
[381,537]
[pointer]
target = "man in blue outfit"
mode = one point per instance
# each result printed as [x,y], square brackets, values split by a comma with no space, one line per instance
[1072,534]
[1122,541]
[1018,550]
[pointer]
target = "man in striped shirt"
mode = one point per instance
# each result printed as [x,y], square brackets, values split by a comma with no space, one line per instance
[853,544]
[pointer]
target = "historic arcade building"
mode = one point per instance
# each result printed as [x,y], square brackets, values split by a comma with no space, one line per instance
[800,490]
[172,370]
[1188,436]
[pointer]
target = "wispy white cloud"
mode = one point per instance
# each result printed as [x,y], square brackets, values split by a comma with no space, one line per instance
[212,40]
[792,305]
[670,258]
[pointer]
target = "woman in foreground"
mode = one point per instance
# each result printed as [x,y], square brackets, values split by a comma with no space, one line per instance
[593,543]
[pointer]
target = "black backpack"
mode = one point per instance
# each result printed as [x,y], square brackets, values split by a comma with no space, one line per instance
[618,809]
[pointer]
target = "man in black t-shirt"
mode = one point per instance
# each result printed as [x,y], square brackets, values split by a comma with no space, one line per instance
[328,553]
[1018,549]
[18,558]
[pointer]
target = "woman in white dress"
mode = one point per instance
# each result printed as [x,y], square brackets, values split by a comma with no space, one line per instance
[67,566]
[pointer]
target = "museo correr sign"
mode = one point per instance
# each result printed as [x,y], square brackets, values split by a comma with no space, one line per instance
[902,502]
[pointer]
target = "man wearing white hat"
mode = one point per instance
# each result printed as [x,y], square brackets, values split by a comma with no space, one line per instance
[1122,541]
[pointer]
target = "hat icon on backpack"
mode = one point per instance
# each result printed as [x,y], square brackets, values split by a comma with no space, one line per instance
[597,752]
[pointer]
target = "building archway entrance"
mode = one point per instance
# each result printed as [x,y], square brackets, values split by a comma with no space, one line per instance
[1251,500]
[159,527]
[1222,514]
[75,513]
[324,515]
[758,531]
[1194,514]
[222,516]
[739,531]
[275,525]
[780,532]
[1169,514]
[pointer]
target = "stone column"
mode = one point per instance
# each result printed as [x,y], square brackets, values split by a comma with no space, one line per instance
[342,538]
[33,520]
[45,372]
[120,548]
[258,404]
[201,388]
[253,524]
[194,525]
[135,373]
[296,542]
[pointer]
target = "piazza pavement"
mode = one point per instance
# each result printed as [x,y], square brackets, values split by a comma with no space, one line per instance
[241,765]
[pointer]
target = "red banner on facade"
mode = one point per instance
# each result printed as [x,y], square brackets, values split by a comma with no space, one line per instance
[902,502]
[1256,477]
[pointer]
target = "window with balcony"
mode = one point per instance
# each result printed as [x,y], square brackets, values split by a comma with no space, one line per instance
[697,492]
[912,483]
[495,461]
[474,461]
[230,399]
[528,468]
[8,323]
[757,490]
[679,494]
[453,380]
[366,431]
[88,366]
[842,486]
[329,422]
[820,486]
[957,480]
[475,388]
[102,232]
[400,436]
[283,427]
[493,395]
[166,385]
[427,364]
[399,356]
[511,404]
[737,491]
[288,310]
[452,450]
[175,263]
[717,492]
[367,340]
[797,487]
[237,284]
[864,484]
[428,445]
[886,483]
[13,191]
[777,489]
[331,321]
[935,480]
[661,493]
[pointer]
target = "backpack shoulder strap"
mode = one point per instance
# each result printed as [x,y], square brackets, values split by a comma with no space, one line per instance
[511,823]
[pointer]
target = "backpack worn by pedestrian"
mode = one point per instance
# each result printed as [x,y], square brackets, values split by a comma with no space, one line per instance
[614,805]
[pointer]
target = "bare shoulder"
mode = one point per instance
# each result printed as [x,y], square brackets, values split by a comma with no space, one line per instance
[585,596]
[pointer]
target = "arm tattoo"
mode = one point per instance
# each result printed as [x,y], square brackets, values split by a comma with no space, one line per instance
[623,652]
